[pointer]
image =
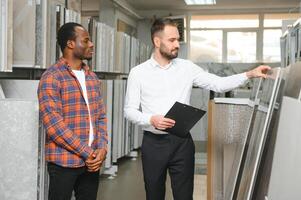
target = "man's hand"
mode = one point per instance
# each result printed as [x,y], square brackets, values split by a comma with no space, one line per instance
[260,71]
[161,123]
[95,161]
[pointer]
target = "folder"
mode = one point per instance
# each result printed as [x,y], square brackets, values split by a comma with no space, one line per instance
[185,116]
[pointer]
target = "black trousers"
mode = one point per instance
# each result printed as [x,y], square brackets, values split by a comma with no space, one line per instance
[64,180]
[162,153]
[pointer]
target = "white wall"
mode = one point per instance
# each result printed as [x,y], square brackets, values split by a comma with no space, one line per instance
[122,15]
[143,31]
[109,13]
[90,5]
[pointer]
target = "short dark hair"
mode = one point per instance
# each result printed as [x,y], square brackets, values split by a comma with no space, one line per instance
[159,25]
[65,33]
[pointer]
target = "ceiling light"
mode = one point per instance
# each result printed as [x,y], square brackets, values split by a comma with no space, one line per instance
[200,2]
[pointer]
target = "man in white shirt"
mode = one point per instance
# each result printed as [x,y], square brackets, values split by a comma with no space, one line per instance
[155,86]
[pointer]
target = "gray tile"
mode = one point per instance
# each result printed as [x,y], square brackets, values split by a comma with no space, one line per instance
[24,33]
[6,35]
[19,149]
[25,89]
[285,176]
[199,99]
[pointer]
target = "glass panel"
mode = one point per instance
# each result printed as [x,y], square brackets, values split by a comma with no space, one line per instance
[206,46]
[271,45]
[224,21]
[257,136]
[241,47]
[275,20]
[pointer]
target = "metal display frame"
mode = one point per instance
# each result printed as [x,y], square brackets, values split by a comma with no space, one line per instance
[253,104]
[264,170]
[248,170]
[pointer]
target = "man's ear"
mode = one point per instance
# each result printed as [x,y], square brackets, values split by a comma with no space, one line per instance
[157,41]
[70,44]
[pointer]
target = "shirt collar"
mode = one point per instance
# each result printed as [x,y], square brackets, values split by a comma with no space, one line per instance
[63,61]
[156,64]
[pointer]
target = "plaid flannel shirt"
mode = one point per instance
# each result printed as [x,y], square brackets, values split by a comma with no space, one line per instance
[65,116]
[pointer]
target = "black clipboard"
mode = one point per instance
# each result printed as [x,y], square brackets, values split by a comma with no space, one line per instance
[185,116]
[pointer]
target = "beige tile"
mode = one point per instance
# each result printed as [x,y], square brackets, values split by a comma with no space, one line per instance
[200,187]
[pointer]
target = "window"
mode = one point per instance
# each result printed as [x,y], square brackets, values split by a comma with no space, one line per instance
[271,45]
[241,47]
[238,38]
[224,21]
[272,32]
[206,46]
[275,20]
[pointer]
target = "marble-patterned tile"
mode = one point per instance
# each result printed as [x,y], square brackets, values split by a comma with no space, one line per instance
[42,30]
[19,149]
[24,33]
[74,5]
[2,96]
[25,89]
[6,35]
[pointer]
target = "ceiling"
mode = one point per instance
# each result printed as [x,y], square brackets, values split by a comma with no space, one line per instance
[140,5]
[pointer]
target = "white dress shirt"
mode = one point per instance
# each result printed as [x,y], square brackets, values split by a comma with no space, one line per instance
[80,75]
[153,89]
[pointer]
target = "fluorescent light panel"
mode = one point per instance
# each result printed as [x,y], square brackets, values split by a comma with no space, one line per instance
[200,2]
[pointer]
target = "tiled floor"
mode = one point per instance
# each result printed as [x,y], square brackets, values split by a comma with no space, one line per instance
[200,187]
[128,184]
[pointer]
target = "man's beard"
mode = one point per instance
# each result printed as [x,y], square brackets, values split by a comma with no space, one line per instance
[88,58]
[168,55]
[81,56]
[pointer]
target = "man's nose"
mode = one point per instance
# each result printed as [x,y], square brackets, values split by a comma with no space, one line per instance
[177,44]
[91,44]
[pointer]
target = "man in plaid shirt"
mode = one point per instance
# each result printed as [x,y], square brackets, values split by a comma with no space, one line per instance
[73,114]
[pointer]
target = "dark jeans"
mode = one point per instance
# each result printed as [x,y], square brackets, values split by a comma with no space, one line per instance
[168,152]
[64,180]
